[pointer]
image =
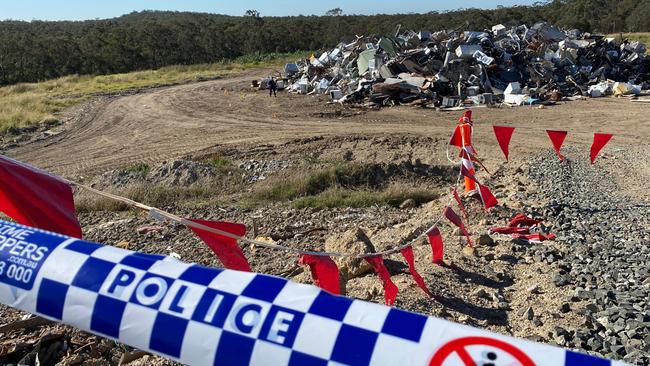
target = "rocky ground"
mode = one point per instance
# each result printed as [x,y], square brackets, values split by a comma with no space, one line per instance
[586,290]
[605,261]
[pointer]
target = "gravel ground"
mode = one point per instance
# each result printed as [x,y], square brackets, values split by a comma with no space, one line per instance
[606,259]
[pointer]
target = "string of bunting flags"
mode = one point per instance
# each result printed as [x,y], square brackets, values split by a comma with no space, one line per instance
[37,198]
[504,134]
[24,197]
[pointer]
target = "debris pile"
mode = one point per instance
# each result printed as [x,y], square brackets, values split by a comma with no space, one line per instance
[517,65]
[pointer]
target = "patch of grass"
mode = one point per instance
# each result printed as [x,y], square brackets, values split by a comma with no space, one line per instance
[221,163]
[139,168]
[152,195]
[25,104]
[340,185]
[314,182]
[340,197]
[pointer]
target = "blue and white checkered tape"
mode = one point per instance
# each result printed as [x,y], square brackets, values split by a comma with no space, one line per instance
[209,316]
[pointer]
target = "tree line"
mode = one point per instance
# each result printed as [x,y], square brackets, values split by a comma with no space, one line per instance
[39,50]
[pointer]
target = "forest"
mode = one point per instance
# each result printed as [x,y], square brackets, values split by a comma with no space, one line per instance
[40,50]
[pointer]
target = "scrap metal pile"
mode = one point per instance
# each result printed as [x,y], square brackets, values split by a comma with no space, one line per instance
[517,65]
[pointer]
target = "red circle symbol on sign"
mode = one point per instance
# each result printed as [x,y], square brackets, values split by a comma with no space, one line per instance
[458,346]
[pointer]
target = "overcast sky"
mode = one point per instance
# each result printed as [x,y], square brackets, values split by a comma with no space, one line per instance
[89,9]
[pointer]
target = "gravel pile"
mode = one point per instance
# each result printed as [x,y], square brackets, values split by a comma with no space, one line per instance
[607,258]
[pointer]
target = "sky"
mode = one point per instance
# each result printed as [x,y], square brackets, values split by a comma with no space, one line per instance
[93,9]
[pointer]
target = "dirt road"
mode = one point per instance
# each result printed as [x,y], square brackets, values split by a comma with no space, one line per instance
[170,122]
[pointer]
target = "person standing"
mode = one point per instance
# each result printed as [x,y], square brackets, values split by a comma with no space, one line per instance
[273,87]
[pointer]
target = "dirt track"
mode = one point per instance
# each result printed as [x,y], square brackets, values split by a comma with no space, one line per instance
[175,121]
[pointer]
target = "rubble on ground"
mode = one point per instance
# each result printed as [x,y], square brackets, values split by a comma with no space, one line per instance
[452,68]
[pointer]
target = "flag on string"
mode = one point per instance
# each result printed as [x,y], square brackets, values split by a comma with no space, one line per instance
[407,253]
[456,138]
[454,192]
[487,197]
[557,138]
[534,238]
[324,272]
[509,230]
[35,198]
[521,220]
[504,135]
[226,248]
[452,216]
[390,289]
[466,173]
[437,246]
[600,140]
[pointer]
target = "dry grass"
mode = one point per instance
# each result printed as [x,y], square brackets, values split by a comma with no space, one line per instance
[25,104]
[152,195]
[340,185]
[394,195]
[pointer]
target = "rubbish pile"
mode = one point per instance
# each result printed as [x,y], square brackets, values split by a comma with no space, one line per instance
[451,68]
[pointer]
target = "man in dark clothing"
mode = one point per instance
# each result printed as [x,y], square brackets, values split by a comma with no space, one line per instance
[273,87]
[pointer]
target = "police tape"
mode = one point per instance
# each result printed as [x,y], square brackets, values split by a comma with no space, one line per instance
[206,316]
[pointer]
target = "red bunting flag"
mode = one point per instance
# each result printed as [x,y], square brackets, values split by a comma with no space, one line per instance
[390,289]
[324,272]
[504,135]
[452,216]
[437,246]
[600,140]
[466,173]
[35,198]
[521,220]
[226,248]
[456,138]
[487,197]
[407,253]
[557,138]
[454,192]
[534,238]
[509,230]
